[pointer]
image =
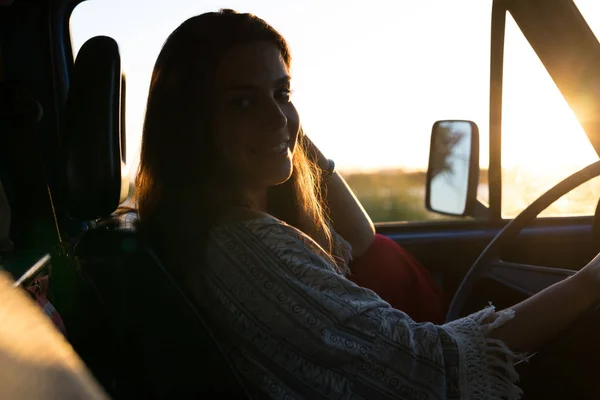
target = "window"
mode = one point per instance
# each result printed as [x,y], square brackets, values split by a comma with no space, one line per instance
[542,141]
[370,78]
[590,10]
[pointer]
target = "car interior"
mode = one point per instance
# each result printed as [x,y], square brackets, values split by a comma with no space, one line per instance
[63,168]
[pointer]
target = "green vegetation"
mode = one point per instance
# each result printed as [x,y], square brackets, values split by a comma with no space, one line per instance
[391,195]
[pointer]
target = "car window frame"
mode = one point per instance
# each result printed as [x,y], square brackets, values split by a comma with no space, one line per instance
[571,22]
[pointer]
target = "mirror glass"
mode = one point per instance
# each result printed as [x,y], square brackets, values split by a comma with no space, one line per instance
[450,159]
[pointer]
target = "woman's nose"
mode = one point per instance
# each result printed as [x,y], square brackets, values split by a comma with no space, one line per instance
[274,117]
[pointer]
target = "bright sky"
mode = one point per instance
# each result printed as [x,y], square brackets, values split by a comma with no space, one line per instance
[371,77]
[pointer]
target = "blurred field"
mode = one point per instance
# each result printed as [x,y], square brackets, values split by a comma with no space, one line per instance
[399,195]
[521,187]
[391,195]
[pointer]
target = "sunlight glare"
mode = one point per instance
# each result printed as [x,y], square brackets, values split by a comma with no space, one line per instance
[543,141]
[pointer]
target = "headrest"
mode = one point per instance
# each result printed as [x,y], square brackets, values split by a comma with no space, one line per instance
[96,176]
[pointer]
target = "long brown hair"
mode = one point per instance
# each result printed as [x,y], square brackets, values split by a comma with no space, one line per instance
[181,178]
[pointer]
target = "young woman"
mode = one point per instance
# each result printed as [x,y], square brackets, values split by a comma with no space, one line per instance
[257,223]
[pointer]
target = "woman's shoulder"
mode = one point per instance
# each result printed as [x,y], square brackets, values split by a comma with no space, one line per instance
[256,231]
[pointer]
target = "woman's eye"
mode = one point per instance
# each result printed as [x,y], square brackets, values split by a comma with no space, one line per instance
[242,102]
[283,95]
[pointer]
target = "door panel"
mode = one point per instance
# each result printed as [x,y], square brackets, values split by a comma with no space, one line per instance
[527,279]
[554,248]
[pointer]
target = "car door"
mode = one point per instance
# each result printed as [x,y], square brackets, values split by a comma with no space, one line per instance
[540,131]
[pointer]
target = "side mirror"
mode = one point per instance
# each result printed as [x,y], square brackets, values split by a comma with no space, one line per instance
[453,173]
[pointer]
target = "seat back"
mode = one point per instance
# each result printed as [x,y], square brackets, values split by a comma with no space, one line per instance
[165,342]
[163,347]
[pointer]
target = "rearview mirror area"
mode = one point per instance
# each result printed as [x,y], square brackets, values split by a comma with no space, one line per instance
[453,172]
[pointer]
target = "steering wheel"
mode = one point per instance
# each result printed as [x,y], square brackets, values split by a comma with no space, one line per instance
[490,257]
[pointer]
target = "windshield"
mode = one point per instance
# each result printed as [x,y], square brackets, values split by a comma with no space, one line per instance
[590,10]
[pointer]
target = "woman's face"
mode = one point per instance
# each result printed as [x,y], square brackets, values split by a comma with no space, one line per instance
[256,123]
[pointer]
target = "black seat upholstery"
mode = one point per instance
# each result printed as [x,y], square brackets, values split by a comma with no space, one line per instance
[163,347]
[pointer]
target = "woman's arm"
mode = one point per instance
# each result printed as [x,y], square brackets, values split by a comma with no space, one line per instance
[318,335]
[536,320]
[347,214]
[313,316]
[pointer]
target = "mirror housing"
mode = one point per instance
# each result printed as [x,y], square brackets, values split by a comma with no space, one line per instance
[453,172]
